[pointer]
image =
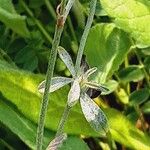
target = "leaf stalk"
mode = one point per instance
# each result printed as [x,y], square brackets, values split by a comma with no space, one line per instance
[85,34]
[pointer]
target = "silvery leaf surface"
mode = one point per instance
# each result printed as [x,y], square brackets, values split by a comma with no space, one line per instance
[64,55]
[93,114]
[56,83]
[57,142]
[96,86]
[74,94]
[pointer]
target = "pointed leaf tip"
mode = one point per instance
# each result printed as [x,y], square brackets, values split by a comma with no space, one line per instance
[57,142]
[66,58]
[57,83]
[93,114]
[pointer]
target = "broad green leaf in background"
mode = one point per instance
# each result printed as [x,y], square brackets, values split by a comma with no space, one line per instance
[146,107]
[132,73]
[74,143]
[99,10]
[126,133]
[147,63]
[146,51]
[107,50]
[122,96]
[11,19]
[60,66]
[23,128]
[138,97]
[26,130]
[28,56]
[111,85]
[133,16]
[20,88]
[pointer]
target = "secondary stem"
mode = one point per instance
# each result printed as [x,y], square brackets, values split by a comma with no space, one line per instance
[85,34]
[63,120]
[58,32]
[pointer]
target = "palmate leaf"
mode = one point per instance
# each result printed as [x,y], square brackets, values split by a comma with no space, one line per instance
[57,83]
[93,114]
[74,94]
[64,55]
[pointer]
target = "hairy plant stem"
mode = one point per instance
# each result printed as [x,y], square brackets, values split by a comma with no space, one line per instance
[63,121]
[49,75]
[52,59]
[37,22]
[85,34]
[83,39]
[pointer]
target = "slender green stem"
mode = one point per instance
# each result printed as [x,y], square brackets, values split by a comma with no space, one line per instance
[72,29]
[37,22]
[49,75]
[85,34]
[8,146]
[6,57]
[126,65]
[63,120]
[139,112]
[110,141]
[44,32]
[147,78]
[58,32]
[50,8]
